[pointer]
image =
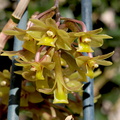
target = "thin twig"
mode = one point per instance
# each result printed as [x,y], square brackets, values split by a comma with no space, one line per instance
[37,56]
[47,11]
[84,29]
[90,55]
[57,12]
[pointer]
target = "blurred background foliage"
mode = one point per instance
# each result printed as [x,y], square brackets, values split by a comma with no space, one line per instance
[106,14]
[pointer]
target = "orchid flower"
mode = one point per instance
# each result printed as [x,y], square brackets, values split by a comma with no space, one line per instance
[94,62]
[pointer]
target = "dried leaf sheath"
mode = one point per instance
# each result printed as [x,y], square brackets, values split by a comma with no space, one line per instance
[21,7]
[16,16]
[3,37]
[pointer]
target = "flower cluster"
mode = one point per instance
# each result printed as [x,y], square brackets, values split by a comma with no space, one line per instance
[28,92]
[52,57]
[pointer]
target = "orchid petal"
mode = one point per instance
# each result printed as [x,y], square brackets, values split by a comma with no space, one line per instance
[27,45]
[84,47]
[104,62]
[38,23]
[96,42]
[60,96]
[95,31]
[47,90]
[36,29]
[90,72]
[29,75]
[62,34]
[35,97]
[35,34]
[39,75]
[101,36]
[73,84]
[104,56]
[47,41]
[42,84]
[79,34]
[51,23]
[81,60]
[12,32]
[60,43]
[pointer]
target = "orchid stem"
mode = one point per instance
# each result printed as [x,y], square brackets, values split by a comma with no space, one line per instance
[43,13]
[57,12]
[84,29]
[37,56]
[90,55]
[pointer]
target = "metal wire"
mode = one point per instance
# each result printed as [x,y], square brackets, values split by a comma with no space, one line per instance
[86,11]
[88,97]
[15,83]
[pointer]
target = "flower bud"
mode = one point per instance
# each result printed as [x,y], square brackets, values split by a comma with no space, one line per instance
[3,83]
[50,33]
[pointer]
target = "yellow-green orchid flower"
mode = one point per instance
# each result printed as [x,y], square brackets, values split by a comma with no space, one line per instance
[61,83]
[19,33]
[60,93]
[32,70]
[35,71]
[47,33]
[42,33]
[64,84]
[4,86]
[89,39]
[29,94]
[25,55]
[24,36]
[94,62]
[72,67]
[4,78]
